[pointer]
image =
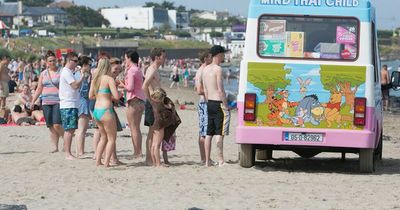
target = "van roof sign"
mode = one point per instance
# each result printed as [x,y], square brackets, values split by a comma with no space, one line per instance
[355,8]
[315,3]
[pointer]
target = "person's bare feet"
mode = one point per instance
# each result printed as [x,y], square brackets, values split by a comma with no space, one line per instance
[210,163]
[149,163]
[137,156]
[54,151]
[117,163]
[70,157]
[99,163]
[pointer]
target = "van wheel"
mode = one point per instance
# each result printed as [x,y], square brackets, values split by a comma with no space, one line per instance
[264,154]
[306,153]
[367,160]
[247,156]
[378,150]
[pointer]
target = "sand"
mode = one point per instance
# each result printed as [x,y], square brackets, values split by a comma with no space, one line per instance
[31,176]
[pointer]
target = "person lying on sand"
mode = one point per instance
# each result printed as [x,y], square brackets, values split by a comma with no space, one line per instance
[20,116]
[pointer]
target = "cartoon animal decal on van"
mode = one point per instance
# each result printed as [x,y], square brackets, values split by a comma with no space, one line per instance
[302,95]
[309,110]
[303,85]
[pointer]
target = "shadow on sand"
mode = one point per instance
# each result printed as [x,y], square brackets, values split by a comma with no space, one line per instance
[12,207]
[327,165]
[17,153]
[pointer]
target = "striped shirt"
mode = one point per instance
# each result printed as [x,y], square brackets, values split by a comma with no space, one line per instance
[50,94]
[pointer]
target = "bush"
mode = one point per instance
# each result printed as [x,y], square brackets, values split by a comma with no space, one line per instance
[216,34]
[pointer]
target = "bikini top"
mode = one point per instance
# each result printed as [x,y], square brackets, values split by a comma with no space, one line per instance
[104,90]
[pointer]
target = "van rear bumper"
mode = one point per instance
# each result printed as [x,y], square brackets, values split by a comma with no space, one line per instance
[331,137]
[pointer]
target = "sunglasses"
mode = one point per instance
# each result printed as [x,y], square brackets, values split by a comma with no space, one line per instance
[52,61]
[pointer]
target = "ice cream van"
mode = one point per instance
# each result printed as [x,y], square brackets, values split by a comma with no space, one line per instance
[310,81]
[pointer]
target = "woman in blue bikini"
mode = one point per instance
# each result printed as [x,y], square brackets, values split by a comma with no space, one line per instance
[104,90]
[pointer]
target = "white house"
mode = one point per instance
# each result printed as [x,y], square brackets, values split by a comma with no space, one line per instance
[212,15]
[144,18]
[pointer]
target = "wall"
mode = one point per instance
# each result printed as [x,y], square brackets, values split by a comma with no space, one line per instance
[129,17]
[171,53]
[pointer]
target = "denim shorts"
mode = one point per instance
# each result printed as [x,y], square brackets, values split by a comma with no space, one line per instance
[52,114]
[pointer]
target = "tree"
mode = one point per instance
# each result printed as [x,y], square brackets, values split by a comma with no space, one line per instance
[152,4]
[268,77]
[181,8]
[167,5]
[33,3]
[345,79]
[85,16]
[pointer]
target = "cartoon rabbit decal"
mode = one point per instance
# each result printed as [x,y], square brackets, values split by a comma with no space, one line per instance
[303,85]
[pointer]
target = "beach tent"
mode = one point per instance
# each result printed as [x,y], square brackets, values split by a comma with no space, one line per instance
[4,29]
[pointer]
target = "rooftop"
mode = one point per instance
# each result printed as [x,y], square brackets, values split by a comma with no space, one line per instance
[8,9]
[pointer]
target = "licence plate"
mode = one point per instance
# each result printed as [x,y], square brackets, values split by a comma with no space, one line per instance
[303,137]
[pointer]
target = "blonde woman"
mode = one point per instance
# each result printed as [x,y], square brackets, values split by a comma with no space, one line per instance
[104,90]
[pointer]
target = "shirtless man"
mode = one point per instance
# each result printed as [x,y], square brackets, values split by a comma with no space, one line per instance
[206,59]
[385,81]
[217,105]
[152,82]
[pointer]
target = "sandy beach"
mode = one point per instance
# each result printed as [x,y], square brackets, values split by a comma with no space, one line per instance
[31,176]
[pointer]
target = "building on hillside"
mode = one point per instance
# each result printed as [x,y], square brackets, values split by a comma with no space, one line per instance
[44,16]
[7,13]
[15,13]
[212,15]
[178,20]
[145,18]
[237,47]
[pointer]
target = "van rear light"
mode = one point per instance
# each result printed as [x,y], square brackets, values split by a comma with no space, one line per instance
[250,101]
[360,107]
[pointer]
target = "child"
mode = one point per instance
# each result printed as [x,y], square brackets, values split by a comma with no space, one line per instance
[165,117]
[25,97]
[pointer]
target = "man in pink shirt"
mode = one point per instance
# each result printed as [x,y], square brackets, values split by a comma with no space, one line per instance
[135,99]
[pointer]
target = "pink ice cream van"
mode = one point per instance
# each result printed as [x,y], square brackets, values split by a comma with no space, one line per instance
[310,81]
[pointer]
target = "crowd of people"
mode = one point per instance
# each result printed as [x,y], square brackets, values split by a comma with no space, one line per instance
[66,96]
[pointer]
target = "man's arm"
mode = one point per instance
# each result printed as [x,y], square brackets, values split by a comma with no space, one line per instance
[69,77]
[220,86]
[146,84]
[199,82]
[388,77]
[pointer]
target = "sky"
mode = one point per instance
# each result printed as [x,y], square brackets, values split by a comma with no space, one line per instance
[387,10]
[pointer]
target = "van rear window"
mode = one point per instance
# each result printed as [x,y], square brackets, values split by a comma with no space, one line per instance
[308,37]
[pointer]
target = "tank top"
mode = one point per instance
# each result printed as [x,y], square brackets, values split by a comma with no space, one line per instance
[50,93]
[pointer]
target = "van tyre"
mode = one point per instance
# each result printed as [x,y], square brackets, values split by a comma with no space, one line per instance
[247,155]
[379,149]
[367,160]
[263,154]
